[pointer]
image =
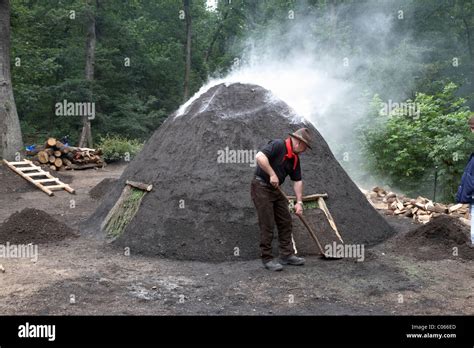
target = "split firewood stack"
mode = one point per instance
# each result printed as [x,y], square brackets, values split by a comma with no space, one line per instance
[421,209]
[57,156]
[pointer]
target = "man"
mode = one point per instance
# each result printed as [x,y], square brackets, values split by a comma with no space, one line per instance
[278,159]
[466,189]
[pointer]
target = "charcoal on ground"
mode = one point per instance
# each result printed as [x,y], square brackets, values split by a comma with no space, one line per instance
[201,163]
[33,226]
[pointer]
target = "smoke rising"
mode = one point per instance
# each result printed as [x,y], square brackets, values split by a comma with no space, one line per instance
[328,64]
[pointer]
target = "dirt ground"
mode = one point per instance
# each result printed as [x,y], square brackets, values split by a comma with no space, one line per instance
[104,280]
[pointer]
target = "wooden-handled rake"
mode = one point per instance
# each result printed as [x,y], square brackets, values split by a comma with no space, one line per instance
[310,230]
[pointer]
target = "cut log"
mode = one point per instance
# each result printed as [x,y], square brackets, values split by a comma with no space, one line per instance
[408,213]
[455,207]
[140,185]
[424,218]
[421,200]
[51,142]
[379,205]
[53,168]
[429,206]
[51,159]
[58,162]
[378,189]
[437,208]
[419,205]
[43,157]
[57,153]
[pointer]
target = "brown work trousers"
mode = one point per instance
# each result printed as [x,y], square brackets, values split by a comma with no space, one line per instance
[272,207]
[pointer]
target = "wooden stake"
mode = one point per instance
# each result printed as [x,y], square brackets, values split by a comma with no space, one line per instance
[140,185]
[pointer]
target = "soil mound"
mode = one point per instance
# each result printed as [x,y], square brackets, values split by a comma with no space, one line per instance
[33,226]
[102,188]
[437,239]
[200,165]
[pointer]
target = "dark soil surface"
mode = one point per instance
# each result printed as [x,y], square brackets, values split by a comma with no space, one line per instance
[201,209]
[33,226]
[12,182]
[107,281]
[102,188]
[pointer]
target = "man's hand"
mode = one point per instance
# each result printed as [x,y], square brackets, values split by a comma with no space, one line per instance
[274,180]
[299,209]
[263,162]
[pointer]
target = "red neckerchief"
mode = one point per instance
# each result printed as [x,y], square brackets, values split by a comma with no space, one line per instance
[289,153]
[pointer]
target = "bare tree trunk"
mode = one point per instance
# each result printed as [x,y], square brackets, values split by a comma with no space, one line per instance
[215,36]
[470,44]
[10,132]
[187,12]
[86,135]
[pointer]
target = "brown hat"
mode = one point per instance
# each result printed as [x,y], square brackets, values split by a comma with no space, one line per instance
[303,135]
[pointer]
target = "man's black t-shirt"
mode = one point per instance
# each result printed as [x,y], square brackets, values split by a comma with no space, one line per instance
[275,151]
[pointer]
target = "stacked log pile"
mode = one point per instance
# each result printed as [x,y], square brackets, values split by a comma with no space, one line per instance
[57,156]
[421,209]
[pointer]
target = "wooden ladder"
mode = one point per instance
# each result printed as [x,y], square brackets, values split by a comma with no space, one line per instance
[27,170]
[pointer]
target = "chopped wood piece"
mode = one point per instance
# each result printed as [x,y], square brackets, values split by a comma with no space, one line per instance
[455,207]
[140,185]
[58,162]
[51,142]
[43,157]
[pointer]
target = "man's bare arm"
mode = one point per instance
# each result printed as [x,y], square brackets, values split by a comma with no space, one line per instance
[298,187]
[264,163]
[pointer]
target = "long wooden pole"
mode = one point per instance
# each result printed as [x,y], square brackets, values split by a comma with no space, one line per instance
[308,227]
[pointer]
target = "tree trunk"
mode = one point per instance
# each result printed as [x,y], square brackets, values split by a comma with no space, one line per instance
[86,135]
[470,46]
[215,36]
[187,12]
[10,133]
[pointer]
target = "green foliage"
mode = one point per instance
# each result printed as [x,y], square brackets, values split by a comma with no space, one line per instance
[408,148]
[116,148]
[124,213]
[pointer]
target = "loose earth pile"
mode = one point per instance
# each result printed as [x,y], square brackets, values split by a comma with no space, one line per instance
[442,238]
[33,226]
